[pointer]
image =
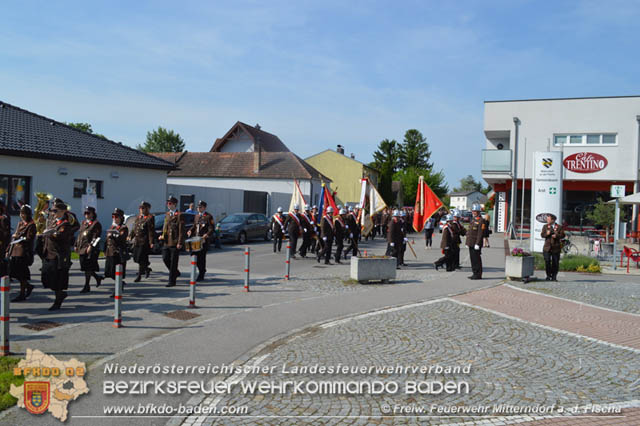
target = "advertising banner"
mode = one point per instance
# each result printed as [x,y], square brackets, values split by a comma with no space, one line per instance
[546,194]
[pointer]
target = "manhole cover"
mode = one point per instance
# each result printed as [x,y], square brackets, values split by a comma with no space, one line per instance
[42,325]
[182,315]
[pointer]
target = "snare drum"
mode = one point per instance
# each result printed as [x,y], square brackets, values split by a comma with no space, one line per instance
[194,244]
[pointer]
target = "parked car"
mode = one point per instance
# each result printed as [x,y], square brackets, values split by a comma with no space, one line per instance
[242,227]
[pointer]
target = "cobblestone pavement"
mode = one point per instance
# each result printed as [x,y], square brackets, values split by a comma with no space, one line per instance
[614,327]
[512,362]
[614,292]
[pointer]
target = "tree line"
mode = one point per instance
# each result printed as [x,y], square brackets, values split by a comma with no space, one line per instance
[158,140]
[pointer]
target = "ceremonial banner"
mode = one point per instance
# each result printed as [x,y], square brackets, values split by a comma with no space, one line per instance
[296,197]
[371,202]
[427,203]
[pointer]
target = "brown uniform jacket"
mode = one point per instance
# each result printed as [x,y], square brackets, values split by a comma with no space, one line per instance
[460,231]
[341,228]
[327,228]
[5,234]
[173,229]
[116,240]
[143,231]
[475,234]
[89,231]
[203,226]
[277,225]
[294,226]
[449,237]
[553,245]
[24,248]
[56,244]
[396,232]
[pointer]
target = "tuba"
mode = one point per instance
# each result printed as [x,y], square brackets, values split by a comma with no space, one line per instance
[40,213]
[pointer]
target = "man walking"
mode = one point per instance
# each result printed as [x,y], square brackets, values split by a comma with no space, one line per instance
[553,235]
[327,229]
[294,228]
[203,226]
[475,237]
[142,235]
[277,229]
[173,237]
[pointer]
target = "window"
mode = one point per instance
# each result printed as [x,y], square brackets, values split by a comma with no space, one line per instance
[80,188]
[14,192]
[586,139]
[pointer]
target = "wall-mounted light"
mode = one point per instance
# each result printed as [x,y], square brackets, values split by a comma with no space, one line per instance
[500,146]
[63,171]
[115,175]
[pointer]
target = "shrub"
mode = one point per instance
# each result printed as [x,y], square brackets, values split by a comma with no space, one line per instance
[6,379]
[579,263]
[539,261]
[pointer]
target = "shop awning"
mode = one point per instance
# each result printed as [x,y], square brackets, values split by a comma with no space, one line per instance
[629,199]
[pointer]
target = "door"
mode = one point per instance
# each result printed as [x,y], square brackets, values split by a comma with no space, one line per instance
[255,202]
[185,200]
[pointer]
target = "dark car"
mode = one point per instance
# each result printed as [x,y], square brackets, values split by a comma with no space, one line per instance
[159,222]
[242,227]
[465,216]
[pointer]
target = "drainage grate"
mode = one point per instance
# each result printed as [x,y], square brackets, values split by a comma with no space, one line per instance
[182,315]
[42,325]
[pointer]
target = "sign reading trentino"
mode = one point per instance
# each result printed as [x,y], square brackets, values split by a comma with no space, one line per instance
[546,193]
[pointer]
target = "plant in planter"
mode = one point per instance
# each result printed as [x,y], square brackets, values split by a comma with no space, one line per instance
[519,265]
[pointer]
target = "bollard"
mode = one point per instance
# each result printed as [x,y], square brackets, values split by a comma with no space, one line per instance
[192,282]
[365,253]
[117,298]
[287,263]
[4,315]
[246,268]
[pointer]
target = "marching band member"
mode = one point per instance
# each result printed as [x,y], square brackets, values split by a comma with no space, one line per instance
[204,227]
[142,235]
[88,249]
[5,236]
[115,249]
[173,237]
[57,255]
[20,253]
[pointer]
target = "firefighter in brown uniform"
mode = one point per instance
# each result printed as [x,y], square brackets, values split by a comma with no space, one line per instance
[115,249]
[5,237]
[327,230]
[56,255]
[553,235]
[460,232]
[173,236]
[88,249]
[294,229]
[203,226]
[475,236]
[351,232]
[449,239]
[395,237]
[340,230]
[142,235]
[306,222]
[277,229]
[20,253]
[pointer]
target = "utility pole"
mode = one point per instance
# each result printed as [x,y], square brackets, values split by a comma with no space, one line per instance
[514,180]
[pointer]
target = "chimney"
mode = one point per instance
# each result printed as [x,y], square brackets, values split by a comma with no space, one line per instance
[353,156]
[257,156]
[340,149]
[257,126]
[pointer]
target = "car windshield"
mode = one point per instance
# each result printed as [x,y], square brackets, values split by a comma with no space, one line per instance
[234,218]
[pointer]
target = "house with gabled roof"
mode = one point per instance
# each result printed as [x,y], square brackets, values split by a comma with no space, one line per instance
[40,154]
[246,170]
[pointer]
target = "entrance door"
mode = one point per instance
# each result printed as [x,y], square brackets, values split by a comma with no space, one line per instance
[185,200]
[255,202]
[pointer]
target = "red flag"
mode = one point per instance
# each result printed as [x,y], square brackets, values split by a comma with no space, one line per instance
[427,203]
[328,201]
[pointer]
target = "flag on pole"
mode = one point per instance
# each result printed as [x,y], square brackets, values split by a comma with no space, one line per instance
[329,201]
[427,203]
[296,197]
[371,202]
[321,205]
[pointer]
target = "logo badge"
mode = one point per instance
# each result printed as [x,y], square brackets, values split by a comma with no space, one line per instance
[36,397]
[547,162]
[553,190]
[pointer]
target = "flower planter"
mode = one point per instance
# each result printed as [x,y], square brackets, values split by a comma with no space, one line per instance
[519,267]
[365,269]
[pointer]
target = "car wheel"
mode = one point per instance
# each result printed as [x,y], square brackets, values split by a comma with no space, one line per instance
[268,236]
[242,237]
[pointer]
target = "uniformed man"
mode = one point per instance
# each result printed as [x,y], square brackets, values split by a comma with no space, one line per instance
[553,235]
[340,229]
[142,235]
[294,228]
[203,226]
[115,248]
[475,235]
[57,255]
[460,232]
[350,232]
[313,245]
[277,229]
[327,229]
[306,221]
[88,249]
[384,222]
[20,253]
[173,237]
[5,238]
[447,245]
[395,237]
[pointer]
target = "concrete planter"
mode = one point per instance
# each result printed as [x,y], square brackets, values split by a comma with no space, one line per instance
[365,269]
[519,267]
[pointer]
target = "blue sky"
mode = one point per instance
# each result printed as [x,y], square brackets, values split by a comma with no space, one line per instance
[317,74]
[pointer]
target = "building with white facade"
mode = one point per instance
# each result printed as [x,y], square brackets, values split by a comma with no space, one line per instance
[464,200]
[599,142]
[38,154]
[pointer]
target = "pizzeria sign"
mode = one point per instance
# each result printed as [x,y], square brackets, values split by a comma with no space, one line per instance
[585,162]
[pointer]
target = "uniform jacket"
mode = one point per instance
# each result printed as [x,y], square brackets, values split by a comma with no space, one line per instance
[24,248]
[116,240]
[353,224]
[396,233]
[5,233]
[327,228]
[460,231]
[89,231]
[448,237]
[306,221]
[553,245]
[340,229]
[173,229]
[56,244]
[204,226]
[294,224]
[143,231]
[277,225]
[475,234]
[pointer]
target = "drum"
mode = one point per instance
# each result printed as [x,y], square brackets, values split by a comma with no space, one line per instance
[194,244]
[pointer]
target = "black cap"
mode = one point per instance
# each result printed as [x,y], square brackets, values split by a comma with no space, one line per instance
[117,212]
[25,208]
[172,200]
[145,204]
[60,206]
[202,203]
[57,200]
[90,209]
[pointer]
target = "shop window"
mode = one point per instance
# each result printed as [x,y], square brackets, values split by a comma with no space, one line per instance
[609,139]
[80,188]
[560,140]
[14,192]
[593,139]
[586,139]
[575,139]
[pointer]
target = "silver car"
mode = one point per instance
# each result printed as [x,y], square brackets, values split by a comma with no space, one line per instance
[242,227]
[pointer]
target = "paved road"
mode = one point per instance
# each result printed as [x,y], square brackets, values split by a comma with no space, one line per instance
[229,323]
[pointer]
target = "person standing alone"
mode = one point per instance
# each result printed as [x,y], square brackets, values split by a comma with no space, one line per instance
[553,235]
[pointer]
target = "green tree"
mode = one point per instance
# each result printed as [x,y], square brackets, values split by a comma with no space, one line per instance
[414,151]
[85,127]
[385,160]
[469,183]
[604,214]
[162,140]
[409,180]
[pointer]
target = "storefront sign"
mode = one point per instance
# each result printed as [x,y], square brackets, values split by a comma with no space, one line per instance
[546,194]
[617,191]
[585,162]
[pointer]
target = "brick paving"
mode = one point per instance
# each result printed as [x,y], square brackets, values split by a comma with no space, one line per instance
[614,327]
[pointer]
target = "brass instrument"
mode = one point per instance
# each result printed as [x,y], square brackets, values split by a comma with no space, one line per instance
[40,213]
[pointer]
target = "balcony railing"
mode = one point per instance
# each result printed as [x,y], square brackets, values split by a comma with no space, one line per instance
[496,161]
